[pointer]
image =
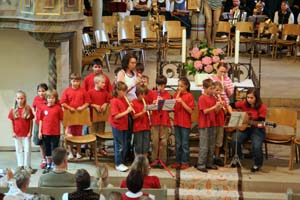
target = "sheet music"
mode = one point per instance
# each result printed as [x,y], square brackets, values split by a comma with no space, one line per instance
[236,119]
[164,104]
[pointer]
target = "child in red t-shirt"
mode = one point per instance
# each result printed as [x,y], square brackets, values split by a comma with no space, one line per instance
[145,82]
[99,103]
[220,121]
[207,107]
[21,117]
[88,82]
[38,103]
[118,119]
[141,125]
[49,131]
[75,98]
[160,121]
[183,109]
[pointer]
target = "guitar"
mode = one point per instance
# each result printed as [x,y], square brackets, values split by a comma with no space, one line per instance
[247,122]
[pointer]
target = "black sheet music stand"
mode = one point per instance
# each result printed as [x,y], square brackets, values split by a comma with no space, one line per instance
[167,105]
[236,121]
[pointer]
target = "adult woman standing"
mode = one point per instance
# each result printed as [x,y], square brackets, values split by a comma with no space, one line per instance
[212,11]
[128,75]
[221,76]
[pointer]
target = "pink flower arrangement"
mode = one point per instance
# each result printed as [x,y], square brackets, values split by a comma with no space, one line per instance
[204,60]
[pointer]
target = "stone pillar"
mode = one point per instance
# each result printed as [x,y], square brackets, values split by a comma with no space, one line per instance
[76,52]
[97,14]
[52,69]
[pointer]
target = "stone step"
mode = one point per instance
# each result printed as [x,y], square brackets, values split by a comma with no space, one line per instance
[189,194]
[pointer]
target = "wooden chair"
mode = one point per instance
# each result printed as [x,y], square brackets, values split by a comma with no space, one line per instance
[297,41]
[288,30]
[102,41]
[148,36]
[245,28]
[224,29]
[173,33]
[80,118]
[102,117]
[88,46]
[267,36]
[285,118]
[110,23]
[126,38]
[297,144]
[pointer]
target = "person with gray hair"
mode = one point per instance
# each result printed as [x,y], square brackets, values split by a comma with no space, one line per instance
[18,184]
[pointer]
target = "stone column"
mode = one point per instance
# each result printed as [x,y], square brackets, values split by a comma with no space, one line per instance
[97,14]
[52,70]
[76,52]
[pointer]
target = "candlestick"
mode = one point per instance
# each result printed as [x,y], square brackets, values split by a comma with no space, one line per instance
[237,46]
[183,48]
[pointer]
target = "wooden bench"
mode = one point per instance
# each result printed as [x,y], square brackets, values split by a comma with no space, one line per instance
[57,192]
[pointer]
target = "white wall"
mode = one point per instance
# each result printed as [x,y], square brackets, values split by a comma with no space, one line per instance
[23,65]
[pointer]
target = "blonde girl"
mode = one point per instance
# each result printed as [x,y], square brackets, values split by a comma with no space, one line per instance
[21,117]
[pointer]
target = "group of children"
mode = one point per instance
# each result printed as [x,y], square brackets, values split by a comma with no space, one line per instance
[97,93]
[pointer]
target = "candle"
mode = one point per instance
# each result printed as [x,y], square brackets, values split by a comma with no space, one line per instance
[237,46]
[183,48]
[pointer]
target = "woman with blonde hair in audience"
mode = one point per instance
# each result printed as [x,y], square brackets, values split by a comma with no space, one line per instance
[141,163]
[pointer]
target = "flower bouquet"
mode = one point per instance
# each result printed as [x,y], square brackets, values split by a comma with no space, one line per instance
[203,61]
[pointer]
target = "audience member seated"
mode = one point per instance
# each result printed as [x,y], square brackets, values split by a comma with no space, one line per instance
[245,5]
[141,7]
[83,182]
[284,16]
[134,183]
[141,164]
[179,12]
[58,177]
[235,13]
[18,185]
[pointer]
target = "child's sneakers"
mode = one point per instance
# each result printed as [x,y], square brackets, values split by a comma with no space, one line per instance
[175,166]
[78,156]
[121,168]
[184,166]
[70,156]
[43,164]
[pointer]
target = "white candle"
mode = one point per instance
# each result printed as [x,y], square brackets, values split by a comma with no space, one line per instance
[183,48]
[237,46]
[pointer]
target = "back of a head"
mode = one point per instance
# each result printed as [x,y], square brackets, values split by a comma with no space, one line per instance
[22,178]
[134,181]
[83,179]
[58,155]
[141,164]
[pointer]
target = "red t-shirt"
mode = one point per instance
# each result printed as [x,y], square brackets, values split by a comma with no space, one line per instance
[51,117]
[209,119]
[160,117]
[149,182]
[148,97]
[37,104]
[182,117]
[88,82]
[142,122]
[220,115]
[253,113]
[21,126]
[75,97]
[118,105]
[98,97]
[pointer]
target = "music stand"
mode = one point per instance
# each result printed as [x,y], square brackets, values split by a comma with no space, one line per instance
[236,121]
[167,105]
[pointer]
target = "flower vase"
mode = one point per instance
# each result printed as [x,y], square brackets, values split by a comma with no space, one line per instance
[199,78]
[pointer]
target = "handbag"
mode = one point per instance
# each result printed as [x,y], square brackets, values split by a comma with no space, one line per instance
[118,6]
